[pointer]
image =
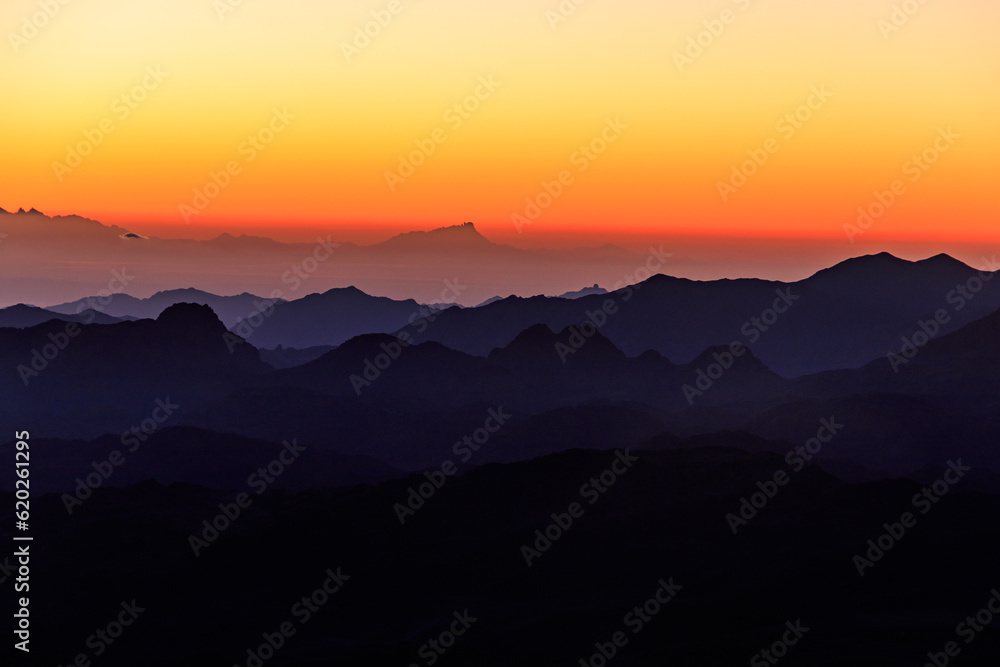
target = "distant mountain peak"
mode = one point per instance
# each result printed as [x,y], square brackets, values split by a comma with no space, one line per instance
[226,236]
[492,299]
[944,260]
[464,230]
[535,334]
[746,362]
[349,290]
[181,291]
[455,236]
[538,346]
[878,259]
[33,211]
[247,239]
[189,317]
[883,263]
[586,291]
[662,280]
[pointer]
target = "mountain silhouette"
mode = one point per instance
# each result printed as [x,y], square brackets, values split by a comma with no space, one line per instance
[362,396]
[230,309]
[185,455]
[663,520]
[586,291]
[329,319]
[406,266]
[86,380]
[22,316]
[842,317]
[457,238]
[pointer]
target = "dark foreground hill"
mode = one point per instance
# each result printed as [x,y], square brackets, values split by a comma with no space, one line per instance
[657,527]
[71,380]
[191,456]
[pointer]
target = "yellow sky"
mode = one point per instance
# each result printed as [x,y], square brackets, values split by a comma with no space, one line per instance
[692,112]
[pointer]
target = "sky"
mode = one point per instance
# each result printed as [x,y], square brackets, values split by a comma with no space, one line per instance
[537,120]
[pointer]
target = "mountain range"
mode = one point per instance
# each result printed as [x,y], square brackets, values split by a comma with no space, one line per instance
[750,446]
[40,263]
[842,317]
[405,405]
[230,309]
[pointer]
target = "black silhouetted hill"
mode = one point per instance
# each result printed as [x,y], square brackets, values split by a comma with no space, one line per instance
[330,319]
[230,309]
[185,455]
[22,316]
[664,519]
[407,405]
[108,377]
[456,238]
[842,317]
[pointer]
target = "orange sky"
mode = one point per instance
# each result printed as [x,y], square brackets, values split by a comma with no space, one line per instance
[304,123]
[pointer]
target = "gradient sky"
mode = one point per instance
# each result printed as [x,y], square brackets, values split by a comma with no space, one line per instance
[226,73]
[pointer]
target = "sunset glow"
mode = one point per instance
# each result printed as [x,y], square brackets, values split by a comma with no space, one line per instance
[693,106]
